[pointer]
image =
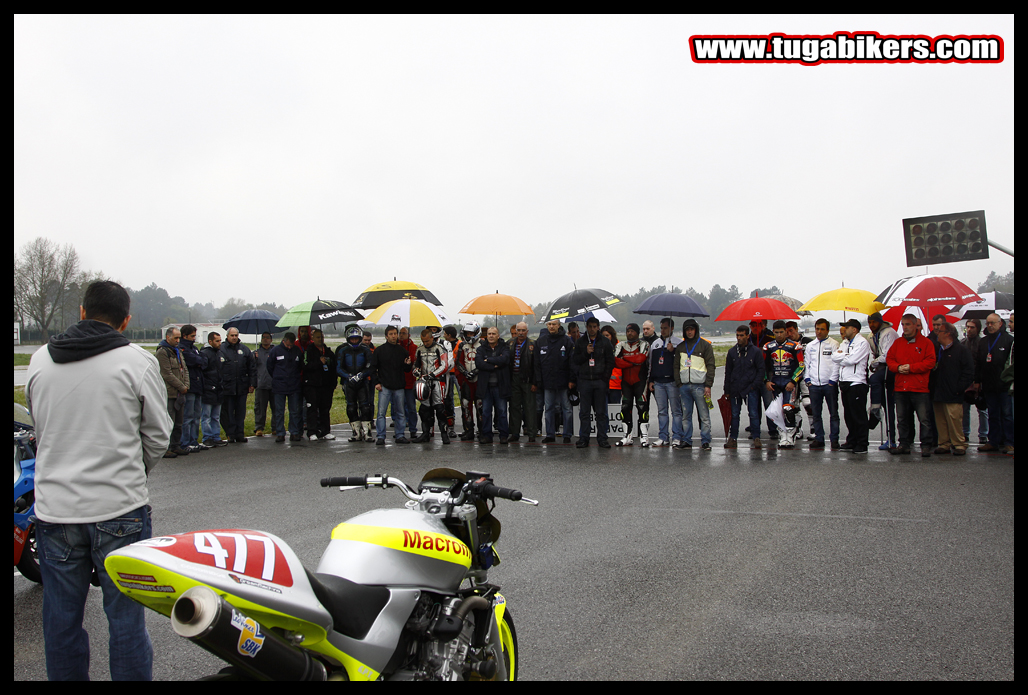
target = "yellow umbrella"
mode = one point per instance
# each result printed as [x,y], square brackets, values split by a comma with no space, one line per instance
[845,299]
[409,312]
[498,305]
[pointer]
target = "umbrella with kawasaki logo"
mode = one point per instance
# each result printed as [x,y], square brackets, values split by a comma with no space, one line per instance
[319,311]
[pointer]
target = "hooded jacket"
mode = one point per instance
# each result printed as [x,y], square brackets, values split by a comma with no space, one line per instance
[101,414]
[194,363]
[694,359]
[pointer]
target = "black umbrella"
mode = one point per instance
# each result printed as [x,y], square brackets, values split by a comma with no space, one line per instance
[671,304]
[254,322]
[579,302]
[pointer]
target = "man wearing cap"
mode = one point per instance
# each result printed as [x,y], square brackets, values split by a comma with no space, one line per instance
[852,357]
[882,382]
[912,358]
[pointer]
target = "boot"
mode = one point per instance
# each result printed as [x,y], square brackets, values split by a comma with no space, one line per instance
[356,434]
[440,411]
[369,431]
[644,429]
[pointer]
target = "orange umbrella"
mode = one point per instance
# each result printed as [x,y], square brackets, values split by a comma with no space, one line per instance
[497,305]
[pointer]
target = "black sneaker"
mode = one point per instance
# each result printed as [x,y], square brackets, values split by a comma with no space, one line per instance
[581,444]
[380,442]
[401,440]
[604,444]
[567,440]
[705,446]
[549,440]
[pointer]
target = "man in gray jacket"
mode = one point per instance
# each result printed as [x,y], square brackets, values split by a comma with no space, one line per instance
[101,415]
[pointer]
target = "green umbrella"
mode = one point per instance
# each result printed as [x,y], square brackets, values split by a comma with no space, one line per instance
[319,311]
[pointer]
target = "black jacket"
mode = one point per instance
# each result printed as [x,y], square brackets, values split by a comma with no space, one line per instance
[212,360]
[388,367]
[743,373]
[491,360]
[603,354]
[238,369]
[315,373]
[553,360]
[954,372]
[526,361]
[988,373]
[194,363]
[286,369]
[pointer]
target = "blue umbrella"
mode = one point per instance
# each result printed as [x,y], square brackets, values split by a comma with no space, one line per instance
[671,304]
[254,322]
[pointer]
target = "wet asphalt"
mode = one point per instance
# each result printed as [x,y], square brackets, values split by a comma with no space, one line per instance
[655,563]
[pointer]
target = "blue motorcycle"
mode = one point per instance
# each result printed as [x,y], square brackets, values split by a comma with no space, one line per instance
[25,556]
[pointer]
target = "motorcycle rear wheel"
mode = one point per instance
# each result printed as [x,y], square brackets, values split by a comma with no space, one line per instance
[509,645]
[28,565]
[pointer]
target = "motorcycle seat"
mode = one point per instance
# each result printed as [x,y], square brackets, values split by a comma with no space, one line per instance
[354,607]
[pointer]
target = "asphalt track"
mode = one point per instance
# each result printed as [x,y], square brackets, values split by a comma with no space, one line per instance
[656,563]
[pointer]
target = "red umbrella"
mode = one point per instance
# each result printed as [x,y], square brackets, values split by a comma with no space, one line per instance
[760,308]
[925,290]
[725,406]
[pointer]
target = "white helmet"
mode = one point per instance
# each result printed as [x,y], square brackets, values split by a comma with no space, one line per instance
[473,328]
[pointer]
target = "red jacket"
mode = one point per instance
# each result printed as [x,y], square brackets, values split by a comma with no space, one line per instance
[920,355]
[630,360]
[412,350]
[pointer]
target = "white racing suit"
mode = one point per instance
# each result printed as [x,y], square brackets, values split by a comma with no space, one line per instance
[467,380]
[432,364]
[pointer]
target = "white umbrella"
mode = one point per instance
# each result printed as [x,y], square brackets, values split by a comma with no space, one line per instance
[409,312]
[992,303]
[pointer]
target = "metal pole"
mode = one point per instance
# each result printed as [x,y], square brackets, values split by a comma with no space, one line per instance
[1002,248]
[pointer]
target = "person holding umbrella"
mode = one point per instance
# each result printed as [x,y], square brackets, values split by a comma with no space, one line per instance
[594,356]
[238,380]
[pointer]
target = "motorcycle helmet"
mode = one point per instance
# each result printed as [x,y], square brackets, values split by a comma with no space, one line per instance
[472,330]
[422,389]
[354,336]
[437,332]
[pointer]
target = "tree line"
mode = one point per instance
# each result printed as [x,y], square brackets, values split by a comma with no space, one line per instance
[49,284]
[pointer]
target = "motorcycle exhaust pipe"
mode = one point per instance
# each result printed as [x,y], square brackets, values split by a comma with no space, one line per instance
[202,616]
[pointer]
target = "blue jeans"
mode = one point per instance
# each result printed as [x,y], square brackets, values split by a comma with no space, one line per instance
[191,418]
[819,395]
[1001,418]
[210,419]
[693,393]
[667,394]
[491,398]
[410,405]
[558,398]
[67,555]
[395,398]
[983,422]
[752,399]
[278,413]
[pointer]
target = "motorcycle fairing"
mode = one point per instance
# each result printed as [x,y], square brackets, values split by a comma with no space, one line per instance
[151,573]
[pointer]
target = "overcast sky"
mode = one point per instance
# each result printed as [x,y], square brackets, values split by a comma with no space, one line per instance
[282,158]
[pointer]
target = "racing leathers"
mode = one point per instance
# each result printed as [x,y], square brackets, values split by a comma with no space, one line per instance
[783,364]
[431,364]
[353,365]
[467,380]
[632,359]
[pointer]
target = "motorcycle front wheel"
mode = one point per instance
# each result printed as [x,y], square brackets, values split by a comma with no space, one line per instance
[509,645]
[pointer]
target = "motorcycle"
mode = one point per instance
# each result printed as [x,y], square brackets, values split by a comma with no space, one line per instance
[25,556]
[388,601]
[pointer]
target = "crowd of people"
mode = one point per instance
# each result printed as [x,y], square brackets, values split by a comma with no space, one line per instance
[98,402]
[519,385]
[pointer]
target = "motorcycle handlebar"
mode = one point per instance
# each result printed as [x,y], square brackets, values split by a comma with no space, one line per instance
[506,493]
[345,481]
